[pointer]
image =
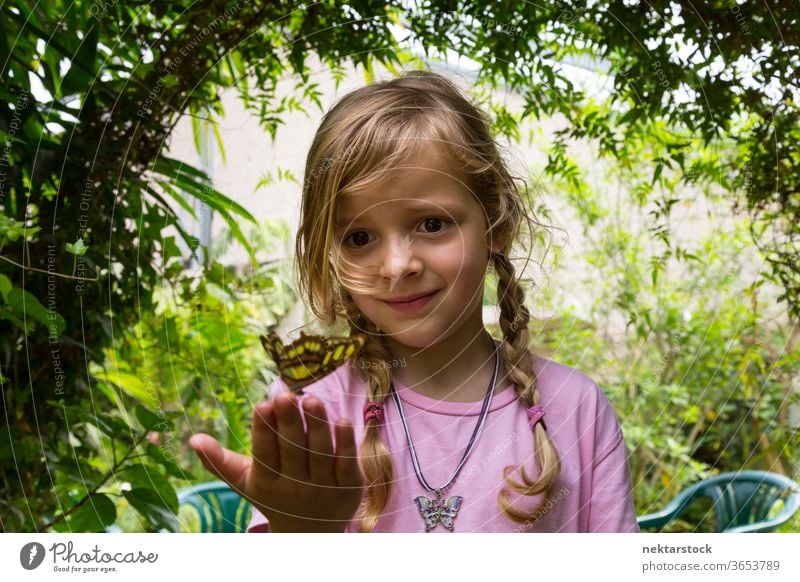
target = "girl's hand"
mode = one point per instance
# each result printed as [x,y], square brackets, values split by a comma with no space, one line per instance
[294,477]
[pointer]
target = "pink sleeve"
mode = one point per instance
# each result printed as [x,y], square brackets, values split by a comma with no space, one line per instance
[611,508]
[258,523]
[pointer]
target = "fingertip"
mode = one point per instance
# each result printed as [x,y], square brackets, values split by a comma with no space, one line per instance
[265,413]
[207,448]
[196,441]
[308,400]
[313,406]
[263,409]
[285,397]
[285,403]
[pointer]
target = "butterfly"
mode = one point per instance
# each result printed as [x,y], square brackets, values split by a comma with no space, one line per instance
[310,357]
[438,510]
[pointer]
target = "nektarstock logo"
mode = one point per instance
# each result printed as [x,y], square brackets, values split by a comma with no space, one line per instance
[31,555]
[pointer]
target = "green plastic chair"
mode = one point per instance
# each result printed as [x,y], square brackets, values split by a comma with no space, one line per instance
[743,502]
[218,507]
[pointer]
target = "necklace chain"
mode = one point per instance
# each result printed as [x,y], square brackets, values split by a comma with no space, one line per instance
[487,401]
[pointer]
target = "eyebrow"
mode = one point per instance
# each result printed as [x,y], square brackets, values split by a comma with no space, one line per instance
[414,208]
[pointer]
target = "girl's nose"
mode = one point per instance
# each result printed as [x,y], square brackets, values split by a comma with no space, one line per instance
[399,259]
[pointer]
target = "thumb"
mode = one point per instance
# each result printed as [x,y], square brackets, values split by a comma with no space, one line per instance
[231,467]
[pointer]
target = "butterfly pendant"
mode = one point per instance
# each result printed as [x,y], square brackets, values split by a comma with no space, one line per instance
[439,511]
[309,358]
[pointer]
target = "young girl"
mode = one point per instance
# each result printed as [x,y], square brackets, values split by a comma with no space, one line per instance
[436,426]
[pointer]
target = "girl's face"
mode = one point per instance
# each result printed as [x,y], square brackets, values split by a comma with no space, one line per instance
[419,232]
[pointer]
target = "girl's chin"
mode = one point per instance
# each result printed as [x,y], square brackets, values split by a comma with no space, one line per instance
[412,338]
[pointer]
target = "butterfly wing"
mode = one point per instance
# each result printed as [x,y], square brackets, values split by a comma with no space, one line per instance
[273,346]
[285,360]
[309,358]
[340,349]
[302,362]
[429,512]
[448,513]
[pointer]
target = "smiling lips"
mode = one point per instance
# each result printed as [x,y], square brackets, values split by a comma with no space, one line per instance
[409,298]
[411,302]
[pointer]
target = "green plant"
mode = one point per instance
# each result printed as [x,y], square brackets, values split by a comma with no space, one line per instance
[697,362]
[92,91]
[192,364]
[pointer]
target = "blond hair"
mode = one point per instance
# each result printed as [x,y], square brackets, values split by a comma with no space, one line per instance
[366,134]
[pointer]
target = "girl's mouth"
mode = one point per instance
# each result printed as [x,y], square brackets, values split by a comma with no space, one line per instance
[411,306]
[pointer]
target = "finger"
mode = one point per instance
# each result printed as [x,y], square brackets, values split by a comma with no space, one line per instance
[320,447]
[266,460]
[348,473]
[292,444]
[229,466]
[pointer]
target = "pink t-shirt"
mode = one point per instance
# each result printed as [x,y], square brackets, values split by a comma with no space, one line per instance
[592,493]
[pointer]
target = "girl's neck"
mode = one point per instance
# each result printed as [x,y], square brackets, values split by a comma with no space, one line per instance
[457,369]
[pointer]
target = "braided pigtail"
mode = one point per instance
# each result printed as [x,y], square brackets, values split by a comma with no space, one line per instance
[518,360]
[374,458]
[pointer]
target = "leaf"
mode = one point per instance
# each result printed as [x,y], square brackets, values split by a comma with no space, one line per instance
[5,286]
[14,229]
[215,199]
[97,513]
[152,507]
[158,455]
[170,249]
[7,137]
[175,195]
[130,383]
[77,248]
[26,306]
[220,142]
[153,421]
[110,425]
[195,182]
[149,477]
[76,469]
[657,172]
[82,67]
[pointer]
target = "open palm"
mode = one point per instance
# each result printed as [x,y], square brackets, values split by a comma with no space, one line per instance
[295,477]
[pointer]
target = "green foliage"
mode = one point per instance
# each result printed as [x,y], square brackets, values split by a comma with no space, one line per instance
[193,364]
[200,347]
[89,228]
[698,362]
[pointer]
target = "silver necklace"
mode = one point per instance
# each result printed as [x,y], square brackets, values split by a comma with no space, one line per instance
[438,510]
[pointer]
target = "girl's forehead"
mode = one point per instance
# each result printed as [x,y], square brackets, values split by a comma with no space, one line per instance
[421,182]
[409,190]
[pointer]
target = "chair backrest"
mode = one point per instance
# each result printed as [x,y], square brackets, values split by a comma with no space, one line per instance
[219,508]
[744,499]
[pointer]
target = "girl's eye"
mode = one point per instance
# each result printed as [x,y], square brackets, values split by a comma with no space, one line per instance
[358,238]
[435,224]
[361,238]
